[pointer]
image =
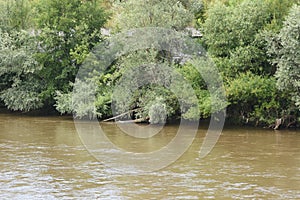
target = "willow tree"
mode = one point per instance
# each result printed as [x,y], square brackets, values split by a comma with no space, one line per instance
[286,47]
[16,14]
[169,13]
[19,84]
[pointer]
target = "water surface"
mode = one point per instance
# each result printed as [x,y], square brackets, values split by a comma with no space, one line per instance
[43,158]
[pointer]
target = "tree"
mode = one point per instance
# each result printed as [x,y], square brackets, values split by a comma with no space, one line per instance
[236,34]
[67,31]
[39,63]
[285,46]
[255,99]
[228,28]
[155,13]
[16,14]
[19,85]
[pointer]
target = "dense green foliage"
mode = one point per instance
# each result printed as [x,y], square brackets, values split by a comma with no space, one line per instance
[52,45]
[286,47]
[236,34]
[18,67]
[253,43]
[168,13]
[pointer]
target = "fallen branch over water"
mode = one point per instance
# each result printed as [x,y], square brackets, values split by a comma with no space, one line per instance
[133,121]
[121,115]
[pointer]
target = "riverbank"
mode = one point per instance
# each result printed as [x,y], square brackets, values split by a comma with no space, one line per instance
[39,112]
[229,123]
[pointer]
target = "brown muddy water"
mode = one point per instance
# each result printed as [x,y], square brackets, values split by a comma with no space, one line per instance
[44,158]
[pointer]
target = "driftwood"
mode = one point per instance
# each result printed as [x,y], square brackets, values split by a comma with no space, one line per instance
[133,121]
[120,115]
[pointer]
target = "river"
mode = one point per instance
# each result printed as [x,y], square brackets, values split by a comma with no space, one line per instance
[44,158]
